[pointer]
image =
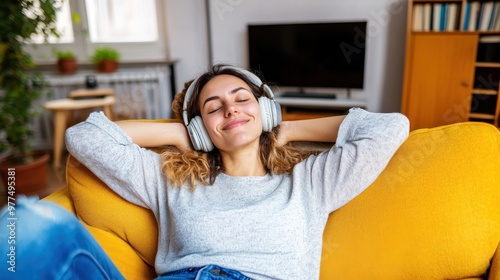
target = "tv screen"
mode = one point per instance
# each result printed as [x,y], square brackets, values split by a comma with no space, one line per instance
[314,55]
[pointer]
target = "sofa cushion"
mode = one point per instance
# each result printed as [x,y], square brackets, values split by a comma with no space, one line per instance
[123,256]
[99,207]
[434,212]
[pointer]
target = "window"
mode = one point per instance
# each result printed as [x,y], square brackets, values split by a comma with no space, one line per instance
[64,27]
[131,26]
[112,21]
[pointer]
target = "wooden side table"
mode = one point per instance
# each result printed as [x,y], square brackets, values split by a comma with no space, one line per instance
[62,109]
[86,93]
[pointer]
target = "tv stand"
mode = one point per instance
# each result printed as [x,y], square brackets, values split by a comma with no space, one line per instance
[302,94]
[301,105]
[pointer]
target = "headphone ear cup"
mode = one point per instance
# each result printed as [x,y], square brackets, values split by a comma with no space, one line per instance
[274,121]
[277,116]
[275,107]
[266,113]
[199,135]
[193,135]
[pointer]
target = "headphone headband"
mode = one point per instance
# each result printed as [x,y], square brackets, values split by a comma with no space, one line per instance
[249,75]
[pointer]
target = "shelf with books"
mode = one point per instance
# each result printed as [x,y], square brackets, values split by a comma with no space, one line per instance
[463,15]
[482,16]
[436,16]
[437,1]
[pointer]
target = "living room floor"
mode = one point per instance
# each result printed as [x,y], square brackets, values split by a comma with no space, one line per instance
[56,181]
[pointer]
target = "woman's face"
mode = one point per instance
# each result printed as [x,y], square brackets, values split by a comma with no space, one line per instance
[230,113]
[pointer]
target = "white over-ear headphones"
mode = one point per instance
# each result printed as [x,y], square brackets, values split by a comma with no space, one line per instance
[269,108]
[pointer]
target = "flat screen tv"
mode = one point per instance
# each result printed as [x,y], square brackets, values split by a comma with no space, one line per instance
[309,55]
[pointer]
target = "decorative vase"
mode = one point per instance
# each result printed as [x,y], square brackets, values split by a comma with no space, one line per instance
[67,66]
[30,178]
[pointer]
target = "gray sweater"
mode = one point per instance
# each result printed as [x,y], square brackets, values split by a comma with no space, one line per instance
[267,227]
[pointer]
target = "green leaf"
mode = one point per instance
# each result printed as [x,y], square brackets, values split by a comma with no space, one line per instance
[18,88]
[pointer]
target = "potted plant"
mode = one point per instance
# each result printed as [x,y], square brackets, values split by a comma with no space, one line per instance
[106,59]
[19,89]
[66,62]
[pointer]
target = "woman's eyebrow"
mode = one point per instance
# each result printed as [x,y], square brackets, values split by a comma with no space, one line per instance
[238,89]
[210,99]
[215,97]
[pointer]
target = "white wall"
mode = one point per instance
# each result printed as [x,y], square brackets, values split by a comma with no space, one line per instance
[187,36]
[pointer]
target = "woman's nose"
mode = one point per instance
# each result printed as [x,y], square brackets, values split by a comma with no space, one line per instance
[231,109]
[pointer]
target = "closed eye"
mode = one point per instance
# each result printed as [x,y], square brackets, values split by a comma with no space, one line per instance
[214,110]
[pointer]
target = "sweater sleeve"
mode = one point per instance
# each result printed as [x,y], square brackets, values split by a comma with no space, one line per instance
[104,148]
[365,144]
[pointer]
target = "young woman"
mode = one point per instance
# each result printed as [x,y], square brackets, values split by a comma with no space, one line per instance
[232,199]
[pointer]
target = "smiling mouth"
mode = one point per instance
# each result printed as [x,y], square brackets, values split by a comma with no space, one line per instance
[233,124]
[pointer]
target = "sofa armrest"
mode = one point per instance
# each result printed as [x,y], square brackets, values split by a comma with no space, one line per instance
[495,266]
[431,214]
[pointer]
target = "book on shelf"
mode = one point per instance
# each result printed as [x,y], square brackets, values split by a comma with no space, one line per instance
[474,11]
[453,17]
[466,16]
[427,17]
[444,16]
[436,16]
[418,17]
[485,16]
[495,17]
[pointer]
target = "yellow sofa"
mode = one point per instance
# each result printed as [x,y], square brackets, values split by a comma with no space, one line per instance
[434,213]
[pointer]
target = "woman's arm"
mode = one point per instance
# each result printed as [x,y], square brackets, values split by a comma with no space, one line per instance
[314,130]
[152,134]
[110,153]
[365,142]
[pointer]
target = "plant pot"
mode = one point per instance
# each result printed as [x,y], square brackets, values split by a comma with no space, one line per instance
[67,66]
[107,66]
[3,49]
[30,179]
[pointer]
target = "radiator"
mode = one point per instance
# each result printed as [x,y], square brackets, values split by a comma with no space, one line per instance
[140,94]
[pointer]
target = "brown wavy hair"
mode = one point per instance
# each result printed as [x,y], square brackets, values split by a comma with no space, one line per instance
[195,167]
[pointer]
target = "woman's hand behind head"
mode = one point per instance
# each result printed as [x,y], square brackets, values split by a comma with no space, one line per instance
[283,132]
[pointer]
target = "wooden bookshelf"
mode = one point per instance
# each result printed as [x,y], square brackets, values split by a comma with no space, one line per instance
[452,65]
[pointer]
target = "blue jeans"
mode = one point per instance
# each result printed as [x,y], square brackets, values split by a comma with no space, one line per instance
[209,272]
[42,240]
